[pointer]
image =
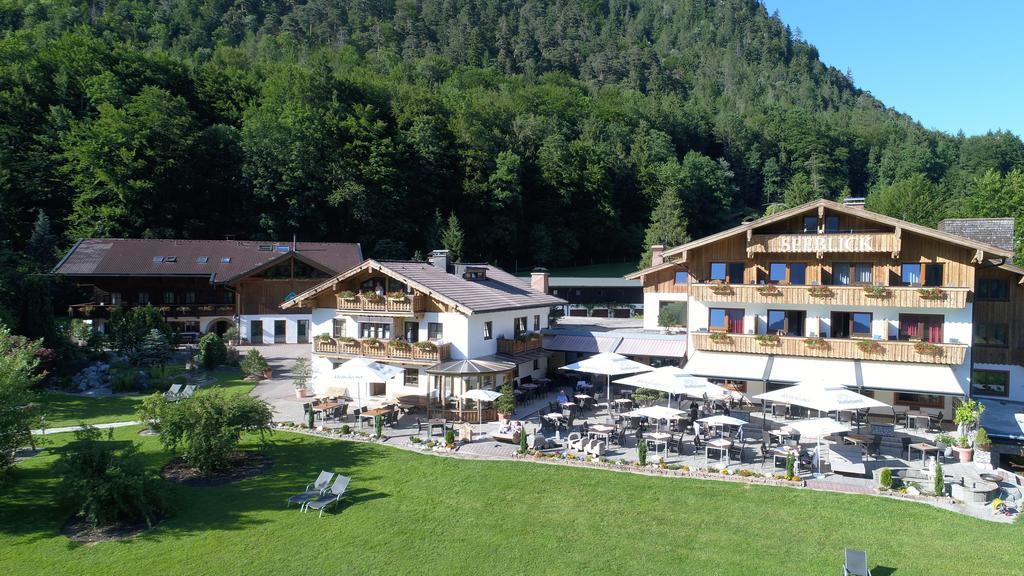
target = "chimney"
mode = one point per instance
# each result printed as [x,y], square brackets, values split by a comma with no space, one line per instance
[439,259]
[856,203]
[656,254]
[539,280]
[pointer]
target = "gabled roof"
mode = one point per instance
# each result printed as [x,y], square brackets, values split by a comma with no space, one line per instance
[987,249]
[220,260]
[995,231]
[639,274]
[499,291]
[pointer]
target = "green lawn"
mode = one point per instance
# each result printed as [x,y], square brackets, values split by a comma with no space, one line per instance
[414,514]
[71,409]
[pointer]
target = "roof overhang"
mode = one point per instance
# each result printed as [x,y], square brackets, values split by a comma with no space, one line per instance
[639,274]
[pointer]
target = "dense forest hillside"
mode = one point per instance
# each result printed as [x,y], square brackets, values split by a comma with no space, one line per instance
[547,130]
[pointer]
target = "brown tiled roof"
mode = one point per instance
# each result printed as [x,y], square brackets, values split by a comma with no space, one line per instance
[499,291]
[224,259]
[995,231]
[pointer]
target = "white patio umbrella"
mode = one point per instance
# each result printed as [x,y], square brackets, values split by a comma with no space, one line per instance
[821,396]
[722,420]
[361,370]
[609,364]
[658,413]
[818,428]
[480,395]
[674,380]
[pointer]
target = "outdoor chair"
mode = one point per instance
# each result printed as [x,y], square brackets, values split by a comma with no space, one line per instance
[188,392]
[765,454]
[575,442]
[898,415]
[597,449]
[856,563]
[331,497]
[736,452]
[312,490]
[173,392]
[935,422]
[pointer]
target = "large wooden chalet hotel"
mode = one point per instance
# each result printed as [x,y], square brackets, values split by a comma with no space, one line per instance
[915,316]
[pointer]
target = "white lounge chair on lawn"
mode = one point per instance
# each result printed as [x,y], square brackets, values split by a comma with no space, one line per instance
[331,497]
[173,392]
[312,490]
[188,392]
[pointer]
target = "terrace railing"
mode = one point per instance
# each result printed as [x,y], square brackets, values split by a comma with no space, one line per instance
[383,349]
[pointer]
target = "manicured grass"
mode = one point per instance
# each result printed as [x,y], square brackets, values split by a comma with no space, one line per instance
[414,514]
[72,409]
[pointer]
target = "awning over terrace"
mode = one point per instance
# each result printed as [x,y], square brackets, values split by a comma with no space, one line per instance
[790,370]
[910,377]
[1003,419]
[727,365]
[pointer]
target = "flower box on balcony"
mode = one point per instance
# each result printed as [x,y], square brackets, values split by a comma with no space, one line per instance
[768,339]
[816,343]
[346,340]
[372,343]
[721,289]
[347,295]
[720,337]
[932,293]
[398,297]
[820,292]
[769,290]
[869,346]
[877,291]
[399,345]
[372,297]
[927,348]
[426,346]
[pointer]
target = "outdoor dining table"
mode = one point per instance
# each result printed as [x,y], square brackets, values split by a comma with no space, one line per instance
[660,438]
[600,431]
[438,422]
[915,416]
[784,453]
[554,417]
[327,407]
[720,444]
[924,448]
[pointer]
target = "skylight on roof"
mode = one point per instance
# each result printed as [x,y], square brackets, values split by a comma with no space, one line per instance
[265,248]
[158,258]
[171,259]
[282,248]
[225,259]
[203,259]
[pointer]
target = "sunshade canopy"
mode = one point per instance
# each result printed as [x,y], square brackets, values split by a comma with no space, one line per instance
[365,370]
[727,365]
[675,380]
[818,427]
[722,420]
[607,363]
[470,367]
[657,412]
[821,396]
[478,394]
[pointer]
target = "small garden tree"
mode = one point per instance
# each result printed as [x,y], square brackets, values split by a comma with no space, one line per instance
[254,364]
[155,350]
[104,482]
[506,403]
[128,328]
[231,335]
[211,351]
[302,370]
[18,364]
[939,482]
[207,428]
[641,451]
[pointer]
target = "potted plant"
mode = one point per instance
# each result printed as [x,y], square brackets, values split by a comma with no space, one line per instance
[399,345]
[968,415]
[425,346]
[982,447]
[372,343]
[397,296]
[301,372]
[927,348]
[945,441]
[720,288]
[347,295]
[963,449]
[505,405]
[372,297]
[325,337]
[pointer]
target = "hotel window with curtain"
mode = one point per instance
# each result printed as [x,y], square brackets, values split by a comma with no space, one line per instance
[376,330]
[925,327]
[726,320]
[851,273]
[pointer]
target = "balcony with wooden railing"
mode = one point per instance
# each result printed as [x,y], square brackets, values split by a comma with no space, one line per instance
[854,349]
[90,310]
[519,345]
[425,352]
[386,305]
[874,296]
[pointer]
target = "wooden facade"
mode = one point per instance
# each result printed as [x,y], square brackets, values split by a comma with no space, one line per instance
[885,351]
[1000,314]
[666,280]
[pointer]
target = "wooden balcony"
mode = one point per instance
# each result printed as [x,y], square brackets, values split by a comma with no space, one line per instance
[516,346]
[842,243]
[879,350]
[874,296]
[385,350]
[89,310]
[368,303]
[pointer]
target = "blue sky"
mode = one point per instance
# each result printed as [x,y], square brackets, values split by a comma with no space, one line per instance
[951,65]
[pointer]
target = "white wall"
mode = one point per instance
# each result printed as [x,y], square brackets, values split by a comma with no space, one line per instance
[652,306]
[291,327]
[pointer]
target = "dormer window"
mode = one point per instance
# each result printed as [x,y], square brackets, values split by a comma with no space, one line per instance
[202,259]
[475,274]
[158,259]
[265,248]
[170,259]
[225,260]
[282,248]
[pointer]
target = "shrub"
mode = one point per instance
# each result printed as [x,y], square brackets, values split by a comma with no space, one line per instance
[150,409]
[346,429]
[646,394]
[104,482]
[790,466]
[641,452]
[506,403]
[449,438]
[231,335]
[378,426]
[522,442]
[254,364]
[939,482]
[122,380]
[301,372]
[211,351]
[968,413]
[981,440]
[207,428]
[18,363]
[885,479]
[154,350]
[310,423]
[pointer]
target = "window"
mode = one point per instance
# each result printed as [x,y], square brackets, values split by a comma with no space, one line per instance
[115,298]
[190,297]
[787,273]
[380,331]
[412,331]
[933,274]
[265,248]
[519,326]
[488,330]
[810,224]
[202,259]
[256,331]
[851,325]
[926,327]
[158,259]
[831,224]
[171,259]
[536,322]
[435,331]
[920,400]
[681,278]
[851,273]
[672,314]
[786,322]
[225,259]
[229,297]
[993,289]
[990,334]
[990,382]
[143,298]
[280,331]
[339,327]
[726,320]
[910,274]
[536,364]
[728,272]
[168,297]
[411,377]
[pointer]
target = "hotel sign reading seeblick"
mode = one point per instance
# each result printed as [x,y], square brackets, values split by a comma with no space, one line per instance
[826,243]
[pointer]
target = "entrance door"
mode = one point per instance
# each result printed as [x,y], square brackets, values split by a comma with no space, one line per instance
[303,332]
[256,332]
[279,331]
